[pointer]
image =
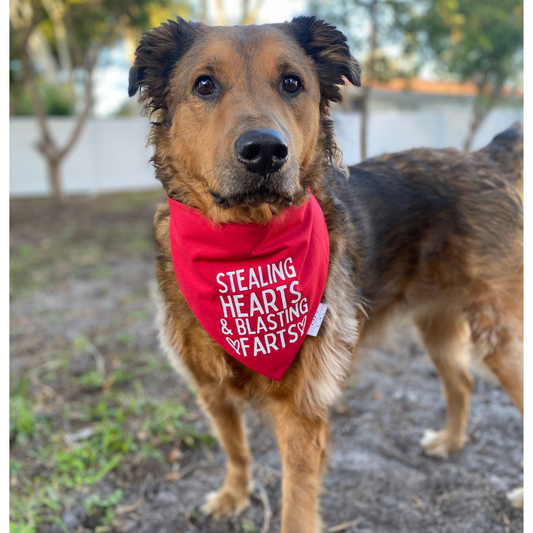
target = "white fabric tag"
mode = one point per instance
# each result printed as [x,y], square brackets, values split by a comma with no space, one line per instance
[317,321]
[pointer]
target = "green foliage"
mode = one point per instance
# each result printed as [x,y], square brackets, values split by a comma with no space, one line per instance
[95,457]
[73,435]
[81,248]
[127,109]
[17,527]
[91,25]
[357,18]
[248,526]
[58,100]
[92,380]
[22,420]
[96,504]
[81,460]
[480,40]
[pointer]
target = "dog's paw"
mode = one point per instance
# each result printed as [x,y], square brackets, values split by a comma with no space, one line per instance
[225,503]
[440,444]
[516,498]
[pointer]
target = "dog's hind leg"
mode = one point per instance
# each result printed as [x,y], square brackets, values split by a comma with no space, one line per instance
[302,442]
[506,361]
[508,367]
[227,418]
[447,341]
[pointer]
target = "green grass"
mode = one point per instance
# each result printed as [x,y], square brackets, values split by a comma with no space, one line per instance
[248,526]
[121,425]
[73,436]
[99,230]
[104,506]
[24,423]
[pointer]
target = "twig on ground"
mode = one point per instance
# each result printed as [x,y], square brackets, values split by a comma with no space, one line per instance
[418,503]
[190,468]
[268,475]
[344,526]
[98,357]
[126,509]
[207,452]
[142,488]
[267,512]
[190,525]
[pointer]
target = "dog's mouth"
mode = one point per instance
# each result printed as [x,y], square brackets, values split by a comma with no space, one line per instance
[256,198]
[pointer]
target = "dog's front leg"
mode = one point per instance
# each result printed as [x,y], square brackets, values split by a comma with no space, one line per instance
[227,418]
[303,442]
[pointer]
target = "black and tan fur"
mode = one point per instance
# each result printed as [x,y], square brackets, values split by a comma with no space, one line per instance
[436,234]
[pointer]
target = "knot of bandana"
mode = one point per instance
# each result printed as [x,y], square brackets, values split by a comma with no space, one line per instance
[254,288]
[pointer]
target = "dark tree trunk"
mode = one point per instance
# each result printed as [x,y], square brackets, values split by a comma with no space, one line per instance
[477,119]
[373,8]
[54,177]
[485,100]
[364,123]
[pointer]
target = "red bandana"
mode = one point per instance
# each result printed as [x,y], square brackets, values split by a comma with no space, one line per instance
[255,288]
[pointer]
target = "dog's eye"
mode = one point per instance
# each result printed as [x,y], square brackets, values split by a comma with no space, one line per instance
[291,84]
[204,85]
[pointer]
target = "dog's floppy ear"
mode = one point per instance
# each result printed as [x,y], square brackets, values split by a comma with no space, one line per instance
[157,54]
[327,46]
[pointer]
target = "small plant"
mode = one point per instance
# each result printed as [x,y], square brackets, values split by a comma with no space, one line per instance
[22,421]
[92,380]
[125,339]
[58,100]
[103,506]
[248,526]
[119,426]
[16,527]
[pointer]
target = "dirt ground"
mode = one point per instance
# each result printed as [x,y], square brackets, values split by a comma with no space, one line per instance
[106,438]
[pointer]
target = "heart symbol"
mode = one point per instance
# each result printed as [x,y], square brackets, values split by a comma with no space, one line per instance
[301,325]
[235,344]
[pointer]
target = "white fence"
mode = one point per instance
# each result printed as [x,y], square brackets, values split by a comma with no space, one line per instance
[396,130]
[111,154]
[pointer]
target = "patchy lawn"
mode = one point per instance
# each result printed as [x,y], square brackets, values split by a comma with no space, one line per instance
[106,438]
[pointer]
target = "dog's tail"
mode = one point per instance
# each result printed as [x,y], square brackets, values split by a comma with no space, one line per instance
[507,151]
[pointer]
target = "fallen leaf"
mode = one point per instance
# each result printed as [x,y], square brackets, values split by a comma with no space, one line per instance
[174,455]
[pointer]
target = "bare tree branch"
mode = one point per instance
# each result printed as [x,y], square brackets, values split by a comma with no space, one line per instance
[221,15]
[56,13]
[372,8]
[77,54]
[91,64]
[82,117]
[46,144]
[245,10]
[19,19]
[486,99]
[251,16]
[106,39]
[203,11]
[26,23]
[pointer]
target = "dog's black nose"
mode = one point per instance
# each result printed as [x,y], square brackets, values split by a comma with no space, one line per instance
[262,151]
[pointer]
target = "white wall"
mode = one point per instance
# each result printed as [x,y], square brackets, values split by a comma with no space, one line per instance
[111,154]
[392,130]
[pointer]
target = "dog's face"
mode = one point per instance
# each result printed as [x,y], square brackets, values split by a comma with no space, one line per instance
[241,112]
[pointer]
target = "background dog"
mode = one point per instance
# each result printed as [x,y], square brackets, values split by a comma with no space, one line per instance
[436,234]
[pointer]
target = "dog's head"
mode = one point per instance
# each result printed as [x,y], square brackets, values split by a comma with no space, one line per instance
[240,114]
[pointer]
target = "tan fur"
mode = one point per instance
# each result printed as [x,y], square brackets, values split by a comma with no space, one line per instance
[462,293]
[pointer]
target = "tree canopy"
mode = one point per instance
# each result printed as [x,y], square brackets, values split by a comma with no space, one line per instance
[480,40]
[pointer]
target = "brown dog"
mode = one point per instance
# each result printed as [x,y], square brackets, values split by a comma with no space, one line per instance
[435,233]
